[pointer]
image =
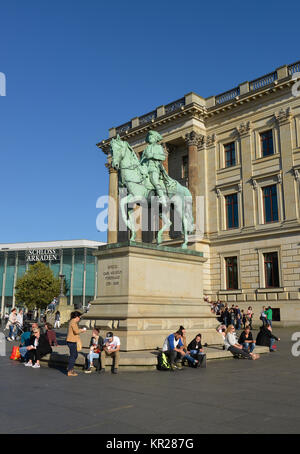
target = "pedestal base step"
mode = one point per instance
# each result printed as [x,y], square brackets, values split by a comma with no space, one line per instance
[131,361]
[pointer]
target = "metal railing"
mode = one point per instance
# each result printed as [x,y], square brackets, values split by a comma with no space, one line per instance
[148,117]
[123,128]
[176,105]
[294,68]
[263,81]
[228,95]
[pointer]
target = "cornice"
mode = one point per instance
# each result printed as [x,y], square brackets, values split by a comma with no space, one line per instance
[195,111]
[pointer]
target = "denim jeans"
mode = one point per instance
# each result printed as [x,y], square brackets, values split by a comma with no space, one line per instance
[269,322]
[90,357]
[248,347]
[23,351]
[11,331]
[272,342]
[73,354]
[190,358]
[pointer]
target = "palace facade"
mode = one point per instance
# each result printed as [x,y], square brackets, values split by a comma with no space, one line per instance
[240,151]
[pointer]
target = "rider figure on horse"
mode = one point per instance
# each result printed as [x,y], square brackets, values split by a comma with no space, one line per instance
[152,159]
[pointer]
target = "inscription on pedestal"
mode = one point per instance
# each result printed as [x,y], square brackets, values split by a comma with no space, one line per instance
[112,275]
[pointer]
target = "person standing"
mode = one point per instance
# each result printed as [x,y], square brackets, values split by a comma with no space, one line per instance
[250,316]
[11,324]
[269,314]
[263,316]
[19,323]
[72,338]
[57,320]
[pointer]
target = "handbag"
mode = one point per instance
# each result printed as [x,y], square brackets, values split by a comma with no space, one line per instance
[79,345]
[15,354]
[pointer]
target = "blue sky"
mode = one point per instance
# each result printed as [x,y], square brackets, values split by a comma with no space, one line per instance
[75,68]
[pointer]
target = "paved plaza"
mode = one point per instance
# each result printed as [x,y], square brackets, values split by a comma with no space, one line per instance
[230,396]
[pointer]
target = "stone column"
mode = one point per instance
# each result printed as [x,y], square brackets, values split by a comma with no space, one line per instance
[166,162]
[166,234]
[15,279]
[247,209]
[194,141]
[283,118]
[112,232]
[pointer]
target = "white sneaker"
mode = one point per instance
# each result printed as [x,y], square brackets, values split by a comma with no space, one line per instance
[36,366]
[28,365]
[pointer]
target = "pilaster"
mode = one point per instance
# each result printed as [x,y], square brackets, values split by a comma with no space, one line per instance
[247,197]
[283,120]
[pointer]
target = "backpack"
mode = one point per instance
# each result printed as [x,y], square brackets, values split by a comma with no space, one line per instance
[163,362]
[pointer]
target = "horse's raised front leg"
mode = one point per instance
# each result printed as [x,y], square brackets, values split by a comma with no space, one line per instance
[123,203]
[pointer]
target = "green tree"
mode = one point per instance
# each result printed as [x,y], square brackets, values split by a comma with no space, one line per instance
[37,288]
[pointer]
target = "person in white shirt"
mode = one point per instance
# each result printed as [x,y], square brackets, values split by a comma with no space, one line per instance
[232,345]
[11,324]
[19,322]
[111,347]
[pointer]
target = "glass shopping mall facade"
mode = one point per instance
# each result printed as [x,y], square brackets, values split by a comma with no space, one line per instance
[72,258]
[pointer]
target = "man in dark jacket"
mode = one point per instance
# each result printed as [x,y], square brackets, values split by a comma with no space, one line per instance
[266,338]
[196,351]
[246,340]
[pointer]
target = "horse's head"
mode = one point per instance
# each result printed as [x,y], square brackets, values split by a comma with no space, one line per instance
[117,147]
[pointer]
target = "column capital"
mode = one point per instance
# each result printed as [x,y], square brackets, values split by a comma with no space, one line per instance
[283,116]
[109,166]
[194,139]
[244,129]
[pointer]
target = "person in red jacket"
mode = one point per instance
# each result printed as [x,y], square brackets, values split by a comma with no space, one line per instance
[50,333]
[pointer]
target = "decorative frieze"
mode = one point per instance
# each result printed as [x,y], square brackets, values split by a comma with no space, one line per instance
[244,128]
[279,178]
[254,183]
[210,140]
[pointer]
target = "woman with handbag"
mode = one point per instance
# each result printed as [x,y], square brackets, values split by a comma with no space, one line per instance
[96,346]
[73,341]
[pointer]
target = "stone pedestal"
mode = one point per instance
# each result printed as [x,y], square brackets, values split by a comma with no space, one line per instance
[146,292]
[64,309]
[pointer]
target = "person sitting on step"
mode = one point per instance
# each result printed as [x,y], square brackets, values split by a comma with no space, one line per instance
[96,346]
[111,348]
[174,349]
